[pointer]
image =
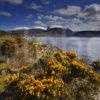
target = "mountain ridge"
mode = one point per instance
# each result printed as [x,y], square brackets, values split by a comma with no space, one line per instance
[53,32]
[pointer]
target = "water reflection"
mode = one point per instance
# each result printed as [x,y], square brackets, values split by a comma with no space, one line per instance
[89,47]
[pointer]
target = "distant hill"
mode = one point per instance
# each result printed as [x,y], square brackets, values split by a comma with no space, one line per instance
[3,32]
[28,31]
[54,32]
[41,32]
[87,34]
[60,32]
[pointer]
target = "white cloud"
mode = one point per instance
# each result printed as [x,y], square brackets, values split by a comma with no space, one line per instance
[3,13]
[92,9]
[39,24]
[88,26]
[53,18]
[29,16]
[70,10]
[35,6]
[19,28]
[79,25]
[86,19]
[39,27]
[56,25]
[40,16]
[50,17]
[15,2]
[46,2]
[76,24]
[91,12]
[91,16]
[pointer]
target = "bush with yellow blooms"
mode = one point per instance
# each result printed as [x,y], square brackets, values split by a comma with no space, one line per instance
[62,76]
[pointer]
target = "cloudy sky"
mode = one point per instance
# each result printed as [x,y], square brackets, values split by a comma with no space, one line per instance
[74,14]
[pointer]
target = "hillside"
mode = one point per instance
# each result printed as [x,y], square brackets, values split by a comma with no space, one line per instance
[87,34]
[56,32]
[40,32]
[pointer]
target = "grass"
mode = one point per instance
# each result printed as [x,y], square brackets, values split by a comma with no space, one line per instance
[5,67]
[35,42]
[2,83]
[2,59]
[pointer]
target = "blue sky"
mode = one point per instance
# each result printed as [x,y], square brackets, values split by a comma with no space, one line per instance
[74,14]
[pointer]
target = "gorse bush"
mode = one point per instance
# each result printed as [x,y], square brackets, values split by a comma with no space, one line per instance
[60,77]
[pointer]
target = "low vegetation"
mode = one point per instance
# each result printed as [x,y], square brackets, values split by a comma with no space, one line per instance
[34,72]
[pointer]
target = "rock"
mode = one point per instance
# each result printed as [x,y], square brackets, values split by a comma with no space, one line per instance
[3,72]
